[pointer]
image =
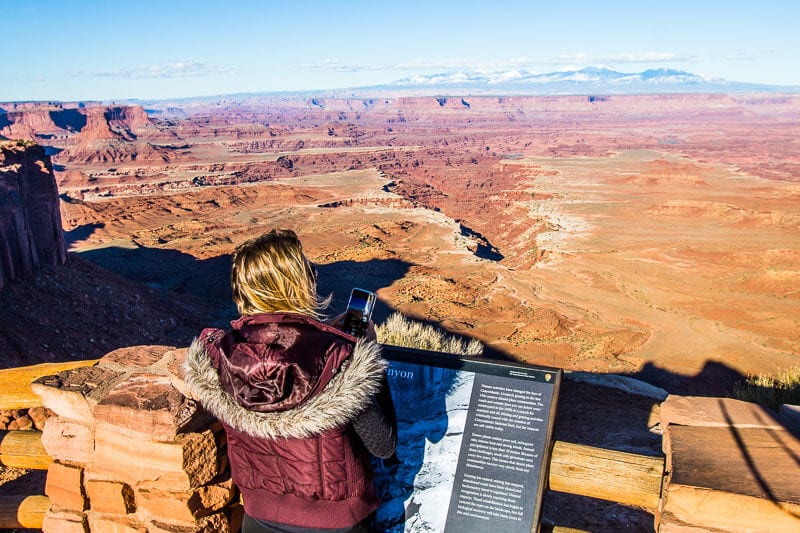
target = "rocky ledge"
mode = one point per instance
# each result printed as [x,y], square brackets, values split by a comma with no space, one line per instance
[131,451]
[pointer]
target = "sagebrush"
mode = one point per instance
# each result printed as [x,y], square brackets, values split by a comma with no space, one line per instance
[397,330]
[771,391]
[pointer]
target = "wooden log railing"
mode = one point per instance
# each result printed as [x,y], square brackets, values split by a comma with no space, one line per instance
[23,449]
[15,383]
[23,511]
[621,477]
[610,475]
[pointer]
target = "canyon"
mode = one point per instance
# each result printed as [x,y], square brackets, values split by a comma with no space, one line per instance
[648,235]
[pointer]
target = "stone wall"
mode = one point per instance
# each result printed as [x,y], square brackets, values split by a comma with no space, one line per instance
[30,218]
[132,453]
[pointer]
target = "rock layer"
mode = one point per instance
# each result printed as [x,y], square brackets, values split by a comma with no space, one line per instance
[30,218]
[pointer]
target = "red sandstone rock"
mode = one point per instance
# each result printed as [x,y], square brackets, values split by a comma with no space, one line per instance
[731,464]
[64,487]
[22,423]
[109,523]
[39,415]
[111,497]
[141,469]
[27,120]
[186,505]
[62,521]
[119,122]
[73,393]
[149,404]
[135,357]
[30,220]
[176,373]
[66,440]
[66,403]
[216,523]
[713,511]
[188,462]
[716,412]
[132,118]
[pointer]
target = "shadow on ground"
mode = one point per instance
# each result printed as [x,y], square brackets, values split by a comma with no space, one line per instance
[209,279]
[715,379]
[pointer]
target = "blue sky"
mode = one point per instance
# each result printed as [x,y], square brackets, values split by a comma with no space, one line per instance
[105,50]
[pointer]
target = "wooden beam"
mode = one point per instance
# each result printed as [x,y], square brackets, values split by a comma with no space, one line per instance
[23,449]
[15,383]
[23,511]
[620,477]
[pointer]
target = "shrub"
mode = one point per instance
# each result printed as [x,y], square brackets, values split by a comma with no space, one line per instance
[397,330]
[771,391]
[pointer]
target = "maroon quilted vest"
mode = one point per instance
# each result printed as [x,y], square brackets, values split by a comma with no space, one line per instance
[276,364]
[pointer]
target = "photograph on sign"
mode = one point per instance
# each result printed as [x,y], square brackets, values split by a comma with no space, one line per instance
[473,438]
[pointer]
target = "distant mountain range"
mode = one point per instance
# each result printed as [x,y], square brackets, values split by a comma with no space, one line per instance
[589,80]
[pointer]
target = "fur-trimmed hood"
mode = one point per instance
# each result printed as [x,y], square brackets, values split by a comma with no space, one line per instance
[346,395]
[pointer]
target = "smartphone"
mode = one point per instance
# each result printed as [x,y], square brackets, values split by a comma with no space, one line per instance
[359,312]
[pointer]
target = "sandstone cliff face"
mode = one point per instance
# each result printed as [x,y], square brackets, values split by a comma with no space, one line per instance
[44,120]
[86,134]
[110,123]
[30,218]
[58,122]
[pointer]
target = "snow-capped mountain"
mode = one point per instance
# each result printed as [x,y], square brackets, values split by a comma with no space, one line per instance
[589,79]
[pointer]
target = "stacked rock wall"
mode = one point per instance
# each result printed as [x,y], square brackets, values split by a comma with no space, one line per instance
[132,453]
[30,218]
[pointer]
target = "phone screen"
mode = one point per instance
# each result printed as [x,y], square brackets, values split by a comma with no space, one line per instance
[359,312]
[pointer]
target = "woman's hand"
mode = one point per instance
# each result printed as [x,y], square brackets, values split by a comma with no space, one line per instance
[337,321]
[371,335]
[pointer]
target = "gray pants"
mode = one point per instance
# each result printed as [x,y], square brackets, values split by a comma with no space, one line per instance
[253,525]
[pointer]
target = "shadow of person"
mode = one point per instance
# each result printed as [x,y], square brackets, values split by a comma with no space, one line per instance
[208,280]
[714,379]
[592,413]
[338,278]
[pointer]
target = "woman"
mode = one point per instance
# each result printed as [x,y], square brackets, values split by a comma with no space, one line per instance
[301,401]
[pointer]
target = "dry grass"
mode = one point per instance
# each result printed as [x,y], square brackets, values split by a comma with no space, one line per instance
[771,391]
[397,330]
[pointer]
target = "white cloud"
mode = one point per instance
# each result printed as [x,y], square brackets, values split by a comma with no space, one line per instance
[639,57]
[338,66]
[178,69]
[652,57]
[741,55]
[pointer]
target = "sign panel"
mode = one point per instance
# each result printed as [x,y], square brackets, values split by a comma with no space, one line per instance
[474,440]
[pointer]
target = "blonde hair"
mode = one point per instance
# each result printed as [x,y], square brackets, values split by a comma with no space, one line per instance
[271,274]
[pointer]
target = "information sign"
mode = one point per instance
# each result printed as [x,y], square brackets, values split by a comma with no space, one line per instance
[474,437]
